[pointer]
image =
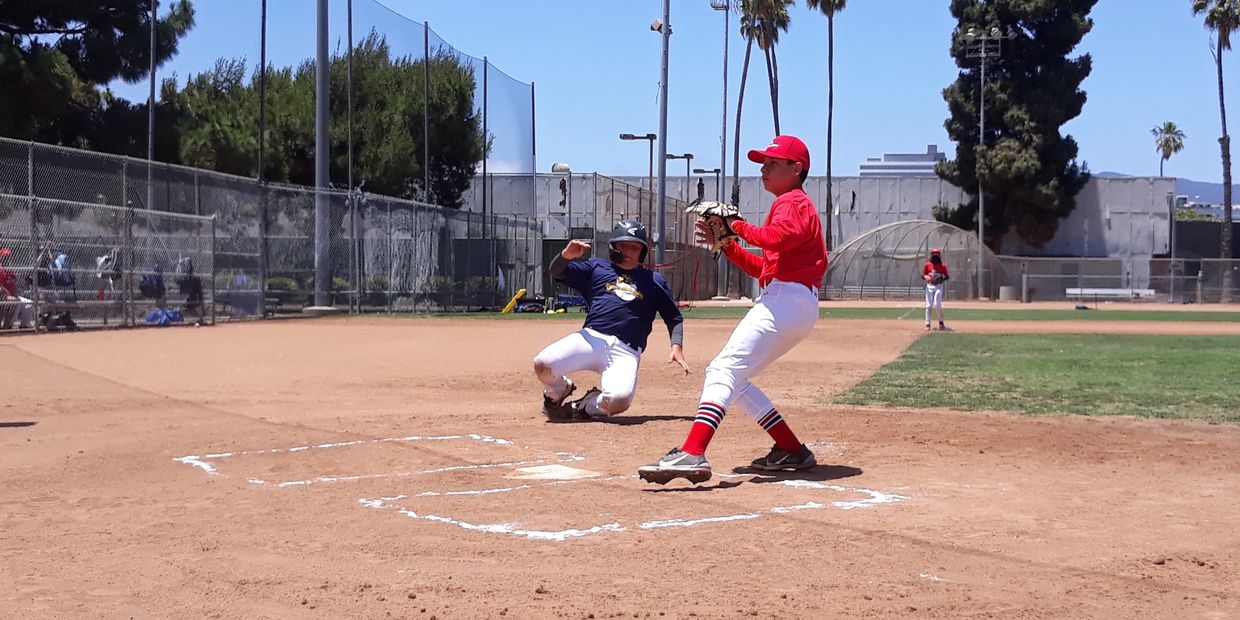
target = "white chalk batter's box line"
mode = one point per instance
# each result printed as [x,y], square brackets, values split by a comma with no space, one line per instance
[204,461]
[872,498]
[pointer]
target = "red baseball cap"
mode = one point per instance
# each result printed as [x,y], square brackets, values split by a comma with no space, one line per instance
[783,147]
[936,251]
[4,252]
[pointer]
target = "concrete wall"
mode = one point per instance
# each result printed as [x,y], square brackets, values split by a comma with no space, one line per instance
[1119,217]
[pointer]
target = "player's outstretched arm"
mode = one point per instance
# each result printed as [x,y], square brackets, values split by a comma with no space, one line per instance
[675,323]
[677,356]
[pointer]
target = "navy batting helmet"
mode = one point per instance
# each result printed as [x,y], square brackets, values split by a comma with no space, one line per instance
[628,230]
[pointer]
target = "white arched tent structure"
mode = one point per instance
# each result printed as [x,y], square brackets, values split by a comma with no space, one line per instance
[886,262]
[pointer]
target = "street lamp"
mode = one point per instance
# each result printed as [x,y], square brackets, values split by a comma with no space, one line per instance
[650,169]
[983,45]
[718,172]
[688,157]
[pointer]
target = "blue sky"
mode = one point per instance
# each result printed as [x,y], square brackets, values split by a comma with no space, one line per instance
[596,67]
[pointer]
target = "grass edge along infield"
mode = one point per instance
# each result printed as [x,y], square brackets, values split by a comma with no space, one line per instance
[1152,376]
[913,314]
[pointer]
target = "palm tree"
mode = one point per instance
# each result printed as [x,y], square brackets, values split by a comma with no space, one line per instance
[749,30]
[1223,18]
[772,16]
[1168,140]
[829,8]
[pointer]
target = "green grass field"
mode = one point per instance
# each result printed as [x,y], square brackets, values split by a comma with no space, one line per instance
[916,314]
[911,314]
[1195,377]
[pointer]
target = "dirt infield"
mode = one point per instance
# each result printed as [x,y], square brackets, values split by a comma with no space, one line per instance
[398,468]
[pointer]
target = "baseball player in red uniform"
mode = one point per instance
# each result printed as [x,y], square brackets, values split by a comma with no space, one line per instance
[934,272]
[789,270]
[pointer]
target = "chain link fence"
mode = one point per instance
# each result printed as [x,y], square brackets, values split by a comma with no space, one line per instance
[76,264]
[690,271]
[384,254]
[1029,278]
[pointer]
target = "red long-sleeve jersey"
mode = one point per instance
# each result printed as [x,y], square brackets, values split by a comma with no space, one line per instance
[929,267]
[793,249]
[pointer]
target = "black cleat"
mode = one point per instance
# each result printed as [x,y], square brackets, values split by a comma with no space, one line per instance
[779,459]
[558,410]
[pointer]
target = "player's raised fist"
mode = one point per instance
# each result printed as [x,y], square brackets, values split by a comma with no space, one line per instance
[575,249]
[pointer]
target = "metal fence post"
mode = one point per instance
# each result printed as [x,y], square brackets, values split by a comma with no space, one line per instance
[1200,279]
[1024,283]
[1171,284]
[391,253]
[213,263]
[357,251]
[263,263]
[33,205]
[127,301]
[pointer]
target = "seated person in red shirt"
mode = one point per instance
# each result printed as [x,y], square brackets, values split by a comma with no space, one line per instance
[17,309]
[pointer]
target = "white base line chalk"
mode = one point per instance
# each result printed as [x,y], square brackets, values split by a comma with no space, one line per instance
[873,498]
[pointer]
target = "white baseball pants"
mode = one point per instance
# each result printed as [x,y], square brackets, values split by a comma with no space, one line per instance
[784,315]
[934,299]
[586,349]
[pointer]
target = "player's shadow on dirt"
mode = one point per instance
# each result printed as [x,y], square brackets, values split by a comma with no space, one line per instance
[16,424]
[698,488]
[642,419]
[821,473]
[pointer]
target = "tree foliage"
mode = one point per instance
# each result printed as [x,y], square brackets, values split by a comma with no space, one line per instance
[1028,169]
[56,59]
[1168,140]
[217,114]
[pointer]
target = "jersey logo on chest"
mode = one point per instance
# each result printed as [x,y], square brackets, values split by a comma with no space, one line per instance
[624,288]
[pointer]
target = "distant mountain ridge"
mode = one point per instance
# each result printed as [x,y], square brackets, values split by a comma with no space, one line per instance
[1197,191]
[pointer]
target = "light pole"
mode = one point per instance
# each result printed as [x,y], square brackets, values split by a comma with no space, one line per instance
[150,124]
[983,45]
[650,166]
[1171,241]
[664,28]
[322,163]
[718,172]
[688,157]
[726,7]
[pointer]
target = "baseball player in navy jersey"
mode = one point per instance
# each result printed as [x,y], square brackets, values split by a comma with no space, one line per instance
[789,270]
[934,272]
[623,298]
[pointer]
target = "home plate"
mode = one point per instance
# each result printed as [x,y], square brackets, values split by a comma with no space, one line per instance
[552,472]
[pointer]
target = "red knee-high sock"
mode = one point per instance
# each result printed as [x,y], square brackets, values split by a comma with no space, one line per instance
[778,429]
[709,415]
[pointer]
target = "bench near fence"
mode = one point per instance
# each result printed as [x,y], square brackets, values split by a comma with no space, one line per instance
[897,292]
[1109,293]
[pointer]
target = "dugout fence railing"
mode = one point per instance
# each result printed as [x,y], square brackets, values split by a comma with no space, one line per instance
[385,254]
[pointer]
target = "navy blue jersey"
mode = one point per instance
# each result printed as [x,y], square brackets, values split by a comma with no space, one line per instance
[622,303]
